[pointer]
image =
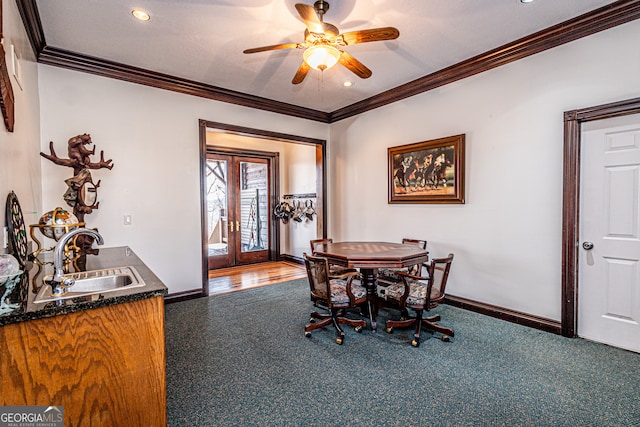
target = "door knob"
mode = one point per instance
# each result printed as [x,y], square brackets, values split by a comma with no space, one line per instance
[587,246]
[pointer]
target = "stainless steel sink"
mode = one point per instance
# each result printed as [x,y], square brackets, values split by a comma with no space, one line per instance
[94,282]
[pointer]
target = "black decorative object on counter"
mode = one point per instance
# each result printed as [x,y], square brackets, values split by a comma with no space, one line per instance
[17,231]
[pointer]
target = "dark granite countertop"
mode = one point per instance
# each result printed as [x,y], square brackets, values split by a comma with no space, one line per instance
[33,279]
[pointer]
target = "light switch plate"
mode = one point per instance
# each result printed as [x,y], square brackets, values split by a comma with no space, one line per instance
[16,68]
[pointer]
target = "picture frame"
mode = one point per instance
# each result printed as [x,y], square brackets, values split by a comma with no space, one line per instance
[6,91]
[7,103]
[427,172]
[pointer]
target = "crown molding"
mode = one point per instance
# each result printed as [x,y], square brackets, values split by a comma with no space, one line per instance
[606,17]
[88,64]
[32,24]
[584,25]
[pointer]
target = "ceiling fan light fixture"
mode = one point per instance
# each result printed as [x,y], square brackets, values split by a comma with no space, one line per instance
[321,57]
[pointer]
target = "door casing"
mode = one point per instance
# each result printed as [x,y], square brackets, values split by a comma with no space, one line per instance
[571,201]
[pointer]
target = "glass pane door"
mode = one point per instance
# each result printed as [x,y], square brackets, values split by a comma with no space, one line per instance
[217,192]
[237,210]
[253,210]
[253,206]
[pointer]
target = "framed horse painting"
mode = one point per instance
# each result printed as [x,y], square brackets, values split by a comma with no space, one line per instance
[427,172]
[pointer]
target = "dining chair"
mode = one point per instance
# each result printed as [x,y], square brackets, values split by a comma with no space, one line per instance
[420,293]
[391,274]
[334,270]
[339,293]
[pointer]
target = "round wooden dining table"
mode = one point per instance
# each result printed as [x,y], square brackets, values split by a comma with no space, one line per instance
[368,257]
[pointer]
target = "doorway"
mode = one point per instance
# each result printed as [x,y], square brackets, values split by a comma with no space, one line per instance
[572,248]
[303,171]
[238,209]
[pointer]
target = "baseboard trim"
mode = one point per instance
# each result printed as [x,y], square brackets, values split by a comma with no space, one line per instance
[183,296]
[502,313]
[291,258]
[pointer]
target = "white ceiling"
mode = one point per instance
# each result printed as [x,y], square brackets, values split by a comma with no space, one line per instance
[203,40]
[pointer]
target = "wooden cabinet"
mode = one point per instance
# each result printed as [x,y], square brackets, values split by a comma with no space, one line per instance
[106,366]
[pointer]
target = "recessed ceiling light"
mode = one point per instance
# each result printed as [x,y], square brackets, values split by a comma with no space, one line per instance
[347,84]
[140,14]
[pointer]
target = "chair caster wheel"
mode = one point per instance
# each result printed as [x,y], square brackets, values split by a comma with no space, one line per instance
[339,341]
[415,343]
[312,320]
[307,334]
[389,330]
[358,329]
[445,338]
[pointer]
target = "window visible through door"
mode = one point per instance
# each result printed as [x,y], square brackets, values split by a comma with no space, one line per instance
[237,201]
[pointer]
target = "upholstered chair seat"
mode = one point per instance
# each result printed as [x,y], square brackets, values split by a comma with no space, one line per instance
[417,293]
[339,294]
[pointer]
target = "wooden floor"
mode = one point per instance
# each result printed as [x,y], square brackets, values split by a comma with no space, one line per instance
[231,279]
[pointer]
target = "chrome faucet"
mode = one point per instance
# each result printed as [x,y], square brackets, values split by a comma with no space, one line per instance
[58,282]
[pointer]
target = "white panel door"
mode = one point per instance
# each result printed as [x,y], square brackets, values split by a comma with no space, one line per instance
[609,267]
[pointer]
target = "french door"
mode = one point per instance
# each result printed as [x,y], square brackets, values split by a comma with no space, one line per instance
[237,200]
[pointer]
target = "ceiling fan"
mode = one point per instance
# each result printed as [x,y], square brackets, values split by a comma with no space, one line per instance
[321,40]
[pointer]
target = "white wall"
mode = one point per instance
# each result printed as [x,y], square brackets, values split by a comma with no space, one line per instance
[301,178]
[19,158]
[152,137]
[507,237]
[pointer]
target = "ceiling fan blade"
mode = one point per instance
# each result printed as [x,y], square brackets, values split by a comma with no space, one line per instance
[355,66]
[310,18]
[272,47]
[372,35]
[301,73]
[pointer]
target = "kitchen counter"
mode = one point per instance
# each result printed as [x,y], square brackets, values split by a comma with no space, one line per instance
[100,359]
[35,272]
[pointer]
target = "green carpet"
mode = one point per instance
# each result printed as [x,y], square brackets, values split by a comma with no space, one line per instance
[241,359]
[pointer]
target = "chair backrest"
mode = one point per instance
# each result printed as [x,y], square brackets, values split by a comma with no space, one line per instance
[318,274]
[316,243]
[422,244]
[438,274]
